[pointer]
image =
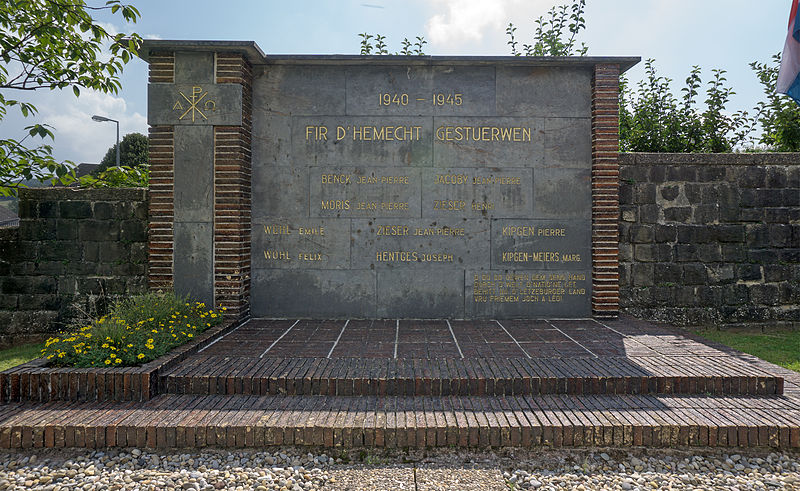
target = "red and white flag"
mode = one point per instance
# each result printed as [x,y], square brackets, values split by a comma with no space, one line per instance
[789,75]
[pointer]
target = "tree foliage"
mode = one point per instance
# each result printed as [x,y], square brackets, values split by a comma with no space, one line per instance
[555,35]
[779,115]
[652,119]
[124,176]
[53,44]
[380,47]
[133,151]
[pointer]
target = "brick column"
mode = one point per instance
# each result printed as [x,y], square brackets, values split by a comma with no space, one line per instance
[200,116]
[162,178]
[605,191]
[232,173]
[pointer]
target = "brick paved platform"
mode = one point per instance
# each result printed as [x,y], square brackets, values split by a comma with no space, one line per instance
[400,400]
[410,358]
[196,421]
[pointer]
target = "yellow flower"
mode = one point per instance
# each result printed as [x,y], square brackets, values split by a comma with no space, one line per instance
[190,335]
[130,346]
[140,356]
[112,355]
[118,360]
[149,346]
[108,362]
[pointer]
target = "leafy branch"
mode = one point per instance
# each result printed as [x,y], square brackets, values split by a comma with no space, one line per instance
[380,48]
[54,44]
[554,35]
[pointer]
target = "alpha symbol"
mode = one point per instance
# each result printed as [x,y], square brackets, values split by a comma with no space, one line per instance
[197,96]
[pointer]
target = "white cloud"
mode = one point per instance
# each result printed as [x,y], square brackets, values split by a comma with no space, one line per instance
[478,25]
[465,20]
[77,137]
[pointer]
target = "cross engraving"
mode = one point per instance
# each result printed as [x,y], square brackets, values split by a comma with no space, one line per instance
[197,96]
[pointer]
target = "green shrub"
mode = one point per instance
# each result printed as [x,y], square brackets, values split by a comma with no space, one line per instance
[137,330]
[118,177]
[779,115]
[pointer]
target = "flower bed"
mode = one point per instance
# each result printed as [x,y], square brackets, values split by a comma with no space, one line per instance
[138,330]
[40,381]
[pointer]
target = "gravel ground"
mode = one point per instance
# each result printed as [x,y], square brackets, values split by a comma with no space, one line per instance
[297,469]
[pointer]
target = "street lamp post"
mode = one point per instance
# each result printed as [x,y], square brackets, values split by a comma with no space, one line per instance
[101,119]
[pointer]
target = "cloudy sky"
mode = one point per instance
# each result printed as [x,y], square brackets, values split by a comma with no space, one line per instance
[726,34]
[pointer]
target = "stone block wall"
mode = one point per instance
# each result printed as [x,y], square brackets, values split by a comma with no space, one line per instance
[710,238]
[74,250]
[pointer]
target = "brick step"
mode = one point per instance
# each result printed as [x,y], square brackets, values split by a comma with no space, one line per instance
[517,421]
[209,375]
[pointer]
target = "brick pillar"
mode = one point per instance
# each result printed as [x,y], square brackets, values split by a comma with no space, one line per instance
[162,178]
[232,172]
[605,191]
[200,116]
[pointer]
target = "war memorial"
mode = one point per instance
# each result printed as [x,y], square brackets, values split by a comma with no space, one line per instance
[422,251]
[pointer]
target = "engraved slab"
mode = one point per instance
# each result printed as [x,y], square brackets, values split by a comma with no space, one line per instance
[541,244]
[421,91]
[194,104]
[488,142]
[385,141]
[365,192]
[507,294]
[283,243]
[420,243]
[477,192]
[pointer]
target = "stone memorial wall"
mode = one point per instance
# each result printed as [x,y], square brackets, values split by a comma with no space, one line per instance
[371,187]
[434,190]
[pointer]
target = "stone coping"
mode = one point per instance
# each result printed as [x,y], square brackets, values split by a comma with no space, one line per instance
[767,158]
[256,56]
[89,194]
[35,381]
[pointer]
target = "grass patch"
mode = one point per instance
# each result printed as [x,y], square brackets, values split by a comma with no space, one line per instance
[18,355]
[136,331]
[781,348]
